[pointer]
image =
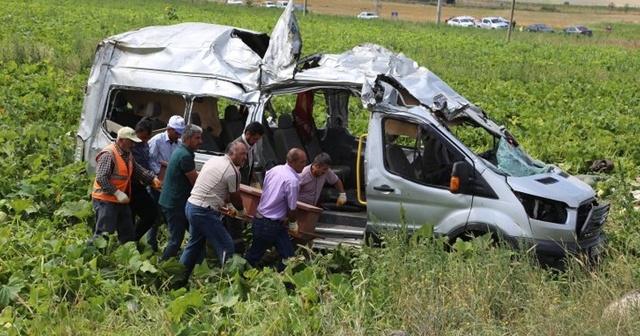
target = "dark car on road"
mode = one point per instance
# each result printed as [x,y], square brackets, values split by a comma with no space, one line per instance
[578,30]
[539,28]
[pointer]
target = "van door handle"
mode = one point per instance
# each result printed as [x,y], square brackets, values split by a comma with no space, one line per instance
[384,188]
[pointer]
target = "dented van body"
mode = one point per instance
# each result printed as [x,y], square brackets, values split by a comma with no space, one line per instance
[406,166]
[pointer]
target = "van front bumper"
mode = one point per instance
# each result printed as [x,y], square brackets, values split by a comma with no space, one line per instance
[592,247]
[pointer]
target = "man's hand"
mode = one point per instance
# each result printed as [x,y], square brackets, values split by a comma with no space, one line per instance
[122,197]
[156,184]
[293,226]
[342,199]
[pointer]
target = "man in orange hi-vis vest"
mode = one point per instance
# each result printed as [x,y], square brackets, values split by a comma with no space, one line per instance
[112,187]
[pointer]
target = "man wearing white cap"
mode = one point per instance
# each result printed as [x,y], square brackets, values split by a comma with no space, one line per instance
[112,187]
[161,146]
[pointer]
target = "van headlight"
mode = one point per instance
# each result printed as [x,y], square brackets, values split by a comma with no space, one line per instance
[543,209]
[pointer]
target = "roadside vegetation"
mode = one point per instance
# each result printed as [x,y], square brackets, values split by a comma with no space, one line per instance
[568,100]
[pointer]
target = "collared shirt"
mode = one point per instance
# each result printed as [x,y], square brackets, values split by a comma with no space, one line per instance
[311,186]
[176,186]
[160,149]
[106,164]
[279,192]
[218,177]
[247,169]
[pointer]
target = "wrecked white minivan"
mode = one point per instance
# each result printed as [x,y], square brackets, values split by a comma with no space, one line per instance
[386,122]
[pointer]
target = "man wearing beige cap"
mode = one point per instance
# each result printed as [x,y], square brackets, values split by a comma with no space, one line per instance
[112,187]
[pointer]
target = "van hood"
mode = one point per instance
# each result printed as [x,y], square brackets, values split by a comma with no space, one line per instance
[556,185]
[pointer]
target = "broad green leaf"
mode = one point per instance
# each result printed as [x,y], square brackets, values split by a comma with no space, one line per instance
[148,267]
[80,209]
[10,290]
[178,307]
[21,204]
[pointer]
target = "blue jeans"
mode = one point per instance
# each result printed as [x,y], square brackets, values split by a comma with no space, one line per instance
[178,226]
[112,217]
[267,233]
[206,227]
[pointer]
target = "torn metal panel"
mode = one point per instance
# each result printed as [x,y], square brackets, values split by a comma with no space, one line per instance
[193,49]
[367,65]
[284,49]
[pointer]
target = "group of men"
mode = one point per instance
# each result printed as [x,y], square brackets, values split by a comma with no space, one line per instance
[144,177]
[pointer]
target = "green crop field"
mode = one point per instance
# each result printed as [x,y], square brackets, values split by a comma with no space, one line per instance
[568,100]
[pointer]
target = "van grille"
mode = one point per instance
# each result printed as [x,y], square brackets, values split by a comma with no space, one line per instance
[591,219]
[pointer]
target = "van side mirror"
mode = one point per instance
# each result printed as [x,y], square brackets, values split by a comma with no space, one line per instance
[461,178]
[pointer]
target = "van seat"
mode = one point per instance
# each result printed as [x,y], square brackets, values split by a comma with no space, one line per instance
[152,112]
[285,137]
[398,162]
[209,141]
[232,124]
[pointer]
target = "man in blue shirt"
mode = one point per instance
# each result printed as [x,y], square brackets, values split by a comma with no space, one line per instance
[179,179]
[161,146]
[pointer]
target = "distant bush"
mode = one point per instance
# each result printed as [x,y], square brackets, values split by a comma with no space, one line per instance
[549,8]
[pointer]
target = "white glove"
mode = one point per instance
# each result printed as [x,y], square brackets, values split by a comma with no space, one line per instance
[122,197]
[293,226]
[342,199]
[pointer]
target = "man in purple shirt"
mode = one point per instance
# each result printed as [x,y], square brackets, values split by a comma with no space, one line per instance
[277,209]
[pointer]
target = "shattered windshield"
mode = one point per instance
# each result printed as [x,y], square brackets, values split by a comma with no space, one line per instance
[513,161]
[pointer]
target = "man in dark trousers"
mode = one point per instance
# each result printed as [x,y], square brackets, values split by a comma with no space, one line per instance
[251,136]
[277,211]
[111,194]
[141,202]
[179,179]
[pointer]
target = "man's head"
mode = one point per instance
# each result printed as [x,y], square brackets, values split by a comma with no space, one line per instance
[127,138]
[253,133]
[297,159]
[175,127]
[237,152]
[143,130]
[321,164]
[192,137]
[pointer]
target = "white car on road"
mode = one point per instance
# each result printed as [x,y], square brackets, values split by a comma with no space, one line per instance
[234,2]
[493,22]
[461,21]
[268,4]
[368,15]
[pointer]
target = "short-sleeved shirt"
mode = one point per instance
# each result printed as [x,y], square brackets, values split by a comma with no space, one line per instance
[218,177]
[279,192]
[311,186]
[160,149]
[176,186]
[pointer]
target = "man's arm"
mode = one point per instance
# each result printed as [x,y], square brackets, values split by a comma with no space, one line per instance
[339,186]
[144,175]
[192,176]
[104,168]
[291,191]
[154,152]
[233,185]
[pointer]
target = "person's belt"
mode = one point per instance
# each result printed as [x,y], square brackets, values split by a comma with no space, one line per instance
[258,215]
